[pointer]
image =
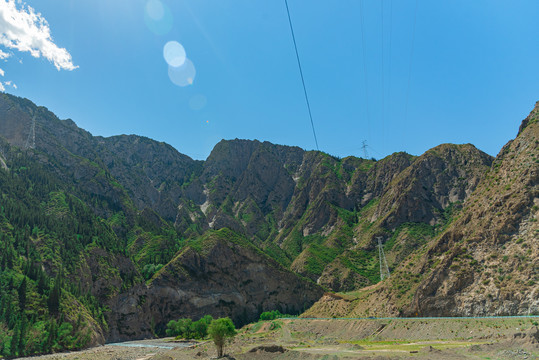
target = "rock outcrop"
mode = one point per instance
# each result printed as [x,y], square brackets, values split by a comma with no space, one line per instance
[222,275]
[444,175]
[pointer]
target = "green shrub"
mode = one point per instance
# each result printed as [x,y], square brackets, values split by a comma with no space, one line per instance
[189,329]
[274,314]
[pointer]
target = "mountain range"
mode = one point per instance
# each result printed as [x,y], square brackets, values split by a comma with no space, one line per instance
[110,238]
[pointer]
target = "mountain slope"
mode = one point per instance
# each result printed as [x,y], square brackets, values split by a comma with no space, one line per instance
[302,208]
[135,233]
[75,247]
[485,262]
[153,173]
[491,253]
[220,274]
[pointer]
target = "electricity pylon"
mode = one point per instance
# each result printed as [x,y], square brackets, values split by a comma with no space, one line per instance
[384,269]
[364,148]
[31,139]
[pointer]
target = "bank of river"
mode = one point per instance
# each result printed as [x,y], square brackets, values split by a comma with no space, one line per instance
[129,350]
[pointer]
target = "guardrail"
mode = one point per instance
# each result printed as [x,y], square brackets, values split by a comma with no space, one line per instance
[418,318]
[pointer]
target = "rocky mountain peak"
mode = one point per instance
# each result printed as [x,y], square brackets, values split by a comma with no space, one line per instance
[533,117]
[442,176]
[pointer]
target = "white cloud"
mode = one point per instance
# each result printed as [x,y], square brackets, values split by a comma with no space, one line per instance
[2,88]
[4,55]
[25,30]
[10,83]
[2,72]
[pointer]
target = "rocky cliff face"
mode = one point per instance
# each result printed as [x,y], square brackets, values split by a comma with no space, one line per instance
[221,274]
[485,262]
[444,175]
[489,257]
[151,180]
[227,276]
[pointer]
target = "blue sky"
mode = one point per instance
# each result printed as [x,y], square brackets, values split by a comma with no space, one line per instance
[471,77]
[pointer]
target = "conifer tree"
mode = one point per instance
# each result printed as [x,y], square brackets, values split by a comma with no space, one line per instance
[53,301]
[22,294]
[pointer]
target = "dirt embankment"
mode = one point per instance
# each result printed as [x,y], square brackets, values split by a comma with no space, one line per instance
[290,339]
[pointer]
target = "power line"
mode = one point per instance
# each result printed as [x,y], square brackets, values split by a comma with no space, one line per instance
[389,65]
[301,74]
[383,90]
[411,57]
[363,48]
[373,149]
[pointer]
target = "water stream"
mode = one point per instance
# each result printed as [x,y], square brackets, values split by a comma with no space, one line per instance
[160,344]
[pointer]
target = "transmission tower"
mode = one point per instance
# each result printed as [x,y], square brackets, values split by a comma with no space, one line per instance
[364,148]
[384,269]
[31,139]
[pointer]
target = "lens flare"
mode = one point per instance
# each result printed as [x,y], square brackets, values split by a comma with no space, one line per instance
[158,17]
[155,9]
[182,75]
[174,53]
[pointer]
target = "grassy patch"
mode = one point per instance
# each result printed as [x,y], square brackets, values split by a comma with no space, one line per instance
[364,263]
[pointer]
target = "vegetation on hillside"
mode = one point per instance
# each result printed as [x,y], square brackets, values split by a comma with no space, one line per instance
[49,232]
[86,220]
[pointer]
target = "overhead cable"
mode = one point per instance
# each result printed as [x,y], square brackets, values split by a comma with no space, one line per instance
[411,58]
[365,79]
[301,74]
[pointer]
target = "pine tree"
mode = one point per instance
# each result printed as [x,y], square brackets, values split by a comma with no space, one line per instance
[53,301]
[16,337]
[22,336]
[52,331]
[41,282]
[22,294]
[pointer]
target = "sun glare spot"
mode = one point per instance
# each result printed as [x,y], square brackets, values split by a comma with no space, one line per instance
[158,17]
[174,53]
[182,75]
[155,9]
